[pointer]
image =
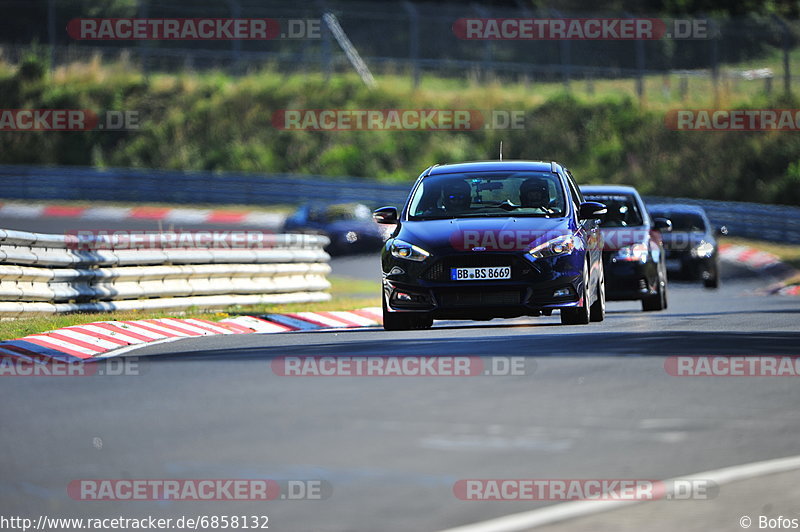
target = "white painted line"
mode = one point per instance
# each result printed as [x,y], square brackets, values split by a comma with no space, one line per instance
[112,334]
[215,328]
[571,510]
[185,326]
[60,343]
[375,311]
[101,344]
[166,330]
[325,320]
[138,330]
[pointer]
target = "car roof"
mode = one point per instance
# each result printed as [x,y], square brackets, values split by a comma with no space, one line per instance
[609,189]
[676,207]
[493,166]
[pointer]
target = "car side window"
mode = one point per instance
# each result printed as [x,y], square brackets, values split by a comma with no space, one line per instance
[575,192]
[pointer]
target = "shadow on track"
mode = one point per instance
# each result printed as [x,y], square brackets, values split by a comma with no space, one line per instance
[569,344]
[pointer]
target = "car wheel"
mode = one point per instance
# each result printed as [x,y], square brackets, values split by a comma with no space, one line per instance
[598,310]
[657,301]
[712,281]
[578,315]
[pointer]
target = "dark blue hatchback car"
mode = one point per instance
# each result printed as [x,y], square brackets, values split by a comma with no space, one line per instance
[494,239]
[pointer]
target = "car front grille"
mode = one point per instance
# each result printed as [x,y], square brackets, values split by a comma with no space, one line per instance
[479,298]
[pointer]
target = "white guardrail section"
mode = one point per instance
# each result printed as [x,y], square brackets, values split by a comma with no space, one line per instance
[56,274]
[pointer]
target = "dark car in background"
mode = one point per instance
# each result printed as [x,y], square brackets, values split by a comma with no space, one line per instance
[692,248]
[349,226]
[633,254]
[495,239]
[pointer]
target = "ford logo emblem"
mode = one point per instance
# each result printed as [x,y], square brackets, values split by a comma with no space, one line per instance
[479,248]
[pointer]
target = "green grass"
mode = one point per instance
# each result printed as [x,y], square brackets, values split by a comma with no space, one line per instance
[211,121]
[348,294]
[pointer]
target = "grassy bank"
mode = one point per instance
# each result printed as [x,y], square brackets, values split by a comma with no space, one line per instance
[211,121]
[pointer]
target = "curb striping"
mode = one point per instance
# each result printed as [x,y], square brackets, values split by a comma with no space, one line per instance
[166,214]
[761,261]
[104,339]
[748,256]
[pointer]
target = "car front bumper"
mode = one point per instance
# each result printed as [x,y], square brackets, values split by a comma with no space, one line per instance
[536,287]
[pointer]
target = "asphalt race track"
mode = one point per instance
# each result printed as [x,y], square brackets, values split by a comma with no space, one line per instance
[595,402]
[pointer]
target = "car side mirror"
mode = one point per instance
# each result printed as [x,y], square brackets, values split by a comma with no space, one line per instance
[722,230]
[385,215]
[663,224]
[592,209]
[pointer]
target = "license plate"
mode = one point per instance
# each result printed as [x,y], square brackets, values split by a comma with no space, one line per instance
[673,264]
[480,274]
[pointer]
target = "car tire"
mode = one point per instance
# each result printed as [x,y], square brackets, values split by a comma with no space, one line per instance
[597,312]
[657,301]
[578,315]
[713,280]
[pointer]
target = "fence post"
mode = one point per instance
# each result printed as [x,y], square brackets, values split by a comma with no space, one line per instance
[144,45]
[715,60]
[640,70]
[51,32]
[486,62]
[236,44]
[565,56]
[327,53]
[413,38]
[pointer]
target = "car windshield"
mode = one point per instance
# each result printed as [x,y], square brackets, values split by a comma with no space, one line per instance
[623,210]
[335,213]
[479,194]
[689,222]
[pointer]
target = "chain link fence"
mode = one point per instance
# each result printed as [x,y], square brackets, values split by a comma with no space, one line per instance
[416,39]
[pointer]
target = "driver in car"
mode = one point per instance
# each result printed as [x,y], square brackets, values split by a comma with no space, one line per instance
[534,193]
[456,196]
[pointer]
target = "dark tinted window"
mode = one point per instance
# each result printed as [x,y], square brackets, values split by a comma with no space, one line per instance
[683,221]
[477,194]
[623,211]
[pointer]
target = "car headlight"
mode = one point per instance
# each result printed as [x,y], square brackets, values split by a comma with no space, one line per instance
[703,250]
[632,253]
[562,245]
[404,250]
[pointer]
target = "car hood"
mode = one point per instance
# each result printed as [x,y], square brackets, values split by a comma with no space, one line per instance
[362,227]
[504,233]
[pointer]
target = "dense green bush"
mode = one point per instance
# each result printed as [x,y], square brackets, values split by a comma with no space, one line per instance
[213,122]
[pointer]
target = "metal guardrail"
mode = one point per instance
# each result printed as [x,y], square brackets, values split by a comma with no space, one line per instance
[57,273]
[777,223]
[774,223]
[165,186]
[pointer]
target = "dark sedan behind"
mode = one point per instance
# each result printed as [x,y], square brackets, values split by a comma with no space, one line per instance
[691,247]
[633,256]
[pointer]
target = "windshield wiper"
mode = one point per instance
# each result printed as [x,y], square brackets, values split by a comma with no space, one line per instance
[507,205]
